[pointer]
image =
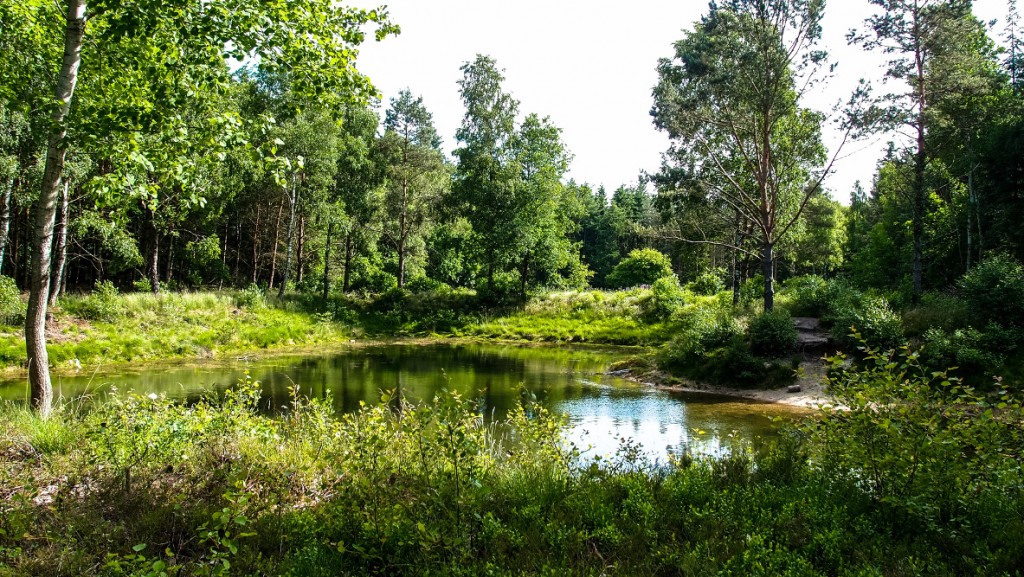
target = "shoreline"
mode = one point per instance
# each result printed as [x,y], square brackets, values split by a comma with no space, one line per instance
[812,393]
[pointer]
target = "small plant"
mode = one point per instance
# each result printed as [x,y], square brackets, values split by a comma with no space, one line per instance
[772,335]
[708,283]
[251,297]
[102,304]
[142,286]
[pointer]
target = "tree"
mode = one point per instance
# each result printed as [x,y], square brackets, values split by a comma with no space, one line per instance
[730,103]
[544,209]
[485,177]
[190,43]
[417,176]
[360,172]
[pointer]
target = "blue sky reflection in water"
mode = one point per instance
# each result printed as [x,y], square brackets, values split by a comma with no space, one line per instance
[602,410]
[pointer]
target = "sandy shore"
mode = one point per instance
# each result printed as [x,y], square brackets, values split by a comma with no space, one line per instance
[812,392]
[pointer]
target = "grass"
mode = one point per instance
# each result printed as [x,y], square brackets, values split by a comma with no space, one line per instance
[143,326]
[605,317]
[145,486]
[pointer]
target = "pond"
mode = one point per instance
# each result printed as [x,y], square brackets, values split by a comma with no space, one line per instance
[603,410]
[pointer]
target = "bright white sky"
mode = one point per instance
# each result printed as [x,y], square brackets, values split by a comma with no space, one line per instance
[590,66]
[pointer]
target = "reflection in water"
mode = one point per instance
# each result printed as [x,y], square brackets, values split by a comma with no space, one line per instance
[602,410]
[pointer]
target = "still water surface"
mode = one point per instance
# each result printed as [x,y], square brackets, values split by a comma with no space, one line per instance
[603,410]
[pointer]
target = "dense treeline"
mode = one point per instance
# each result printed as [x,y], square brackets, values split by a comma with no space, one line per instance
[361,196]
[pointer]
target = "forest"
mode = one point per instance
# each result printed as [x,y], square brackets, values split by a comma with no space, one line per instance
[193,179]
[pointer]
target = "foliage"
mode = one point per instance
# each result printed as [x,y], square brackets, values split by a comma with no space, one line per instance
[102,304]
[772,334]
[870,319]
[933,456]
[252,297]
[916,474]
[12,309]
[813,296]
[708,283]
[994,292]
[641,267]
[666,298]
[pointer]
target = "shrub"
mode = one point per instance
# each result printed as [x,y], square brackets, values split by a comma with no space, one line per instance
[937,310]
[252,297]
[642,267]
[965,349]
[422,284]
[994,291]
[752,290]
[913,439]
[873,319]
[701,330]
[772,334]
[100,305]
[666,297]
[708,283]
[12,309]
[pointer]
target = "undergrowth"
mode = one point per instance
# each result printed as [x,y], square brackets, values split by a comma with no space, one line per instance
[145,486]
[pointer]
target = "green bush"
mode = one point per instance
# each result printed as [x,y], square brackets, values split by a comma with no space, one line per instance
[666,298]
[873,319]
[701,329]
[423,284]
[708,283]
[967,349]
[813,296]
[772,334]
[937,310]
[913,440]
[642,267]
[251,297]
[994,292]
[752,290]
[101,305]
[12,309]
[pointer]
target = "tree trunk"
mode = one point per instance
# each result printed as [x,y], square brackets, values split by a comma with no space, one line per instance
[348,261]
[919,164]
[277,241]
[256,247]
[735,261]
[61,247]
[524,275]
[293,201]
[46,210]
[152,249]
[401,262]
[5,217]
[327,261]
[768,270]
[170,258]
[301,258]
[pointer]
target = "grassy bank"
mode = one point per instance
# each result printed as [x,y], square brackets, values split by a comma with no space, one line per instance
[133,327]
[147,487]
